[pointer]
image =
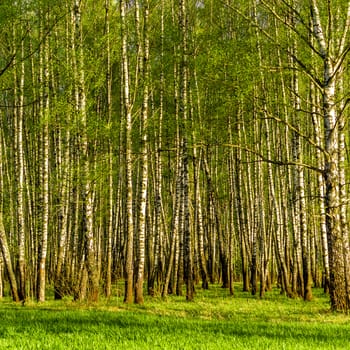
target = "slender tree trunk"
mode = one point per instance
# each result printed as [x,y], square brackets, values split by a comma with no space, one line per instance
[61,277]
[321,187]
[21,185]
[343,198]
[144,165]
[129,265]
[88,186]
[173,261]
[301,200]
[44,114]
[279,230]
[156,269]
[108,287]
[200,224]
[188,262]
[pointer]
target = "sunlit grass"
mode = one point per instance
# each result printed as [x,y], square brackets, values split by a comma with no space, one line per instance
[214,320]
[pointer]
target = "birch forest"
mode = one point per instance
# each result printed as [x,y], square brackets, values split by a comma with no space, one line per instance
[161,146]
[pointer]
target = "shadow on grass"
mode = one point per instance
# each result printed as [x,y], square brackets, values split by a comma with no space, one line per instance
[143,329]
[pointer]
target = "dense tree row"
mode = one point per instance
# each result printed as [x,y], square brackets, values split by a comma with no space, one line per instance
[175,142]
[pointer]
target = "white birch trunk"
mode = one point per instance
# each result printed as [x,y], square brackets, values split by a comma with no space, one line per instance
[110,230]
[88,186]
[188,262]
[44,114]
[321,186]
[276,204]
[129,284]
[332,167]
[144,166]
[21,185]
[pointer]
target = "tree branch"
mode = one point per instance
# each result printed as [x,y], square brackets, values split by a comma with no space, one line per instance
[272,161]
[287,50]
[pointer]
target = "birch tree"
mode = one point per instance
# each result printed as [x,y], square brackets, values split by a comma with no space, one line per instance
[144,162]
[127,106]
[44,106]
[331,50]
[188,262]
[333,54]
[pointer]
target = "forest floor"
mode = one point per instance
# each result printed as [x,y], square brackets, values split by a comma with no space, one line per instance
[214,320]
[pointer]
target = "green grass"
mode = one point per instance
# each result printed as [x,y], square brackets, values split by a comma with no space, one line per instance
[213,321]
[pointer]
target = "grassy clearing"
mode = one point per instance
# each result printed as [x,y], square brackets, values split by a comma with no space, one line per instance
[213,321]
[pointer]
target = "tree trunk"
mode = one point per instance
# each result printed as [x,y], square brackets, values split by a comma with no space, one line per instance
[8,261]
[44,106]
[20,189]
[88,185]
[129,265]
[143,165]
[332,167]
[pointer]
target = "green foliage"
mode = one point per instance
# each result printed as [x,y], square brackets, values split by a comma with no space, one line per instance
[213,321]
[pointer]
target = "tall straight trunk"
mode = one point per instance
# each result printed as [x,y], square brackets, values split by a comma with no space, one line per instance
[188,255]
[298,216]
[198,203]
[161,227]
[156,272]
[64,160]
[332,199]
[199,220]
[174,257]
[301,198]
[44,106]
[237,188]
[254,205]
[173,260]
[188,259]
[109,262]
[222,236]
[343,197]
[305,242]
[21,183]
[129,264]
[88,186]
[321,187]
[144,165]
[231,226]
[4,246]
[233,220]
[177,220]
[279,230]
[59,282]
[75,249]
[179,273]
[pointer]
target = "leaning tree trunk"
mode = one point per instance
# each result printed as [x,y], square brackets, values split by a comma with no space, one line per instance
[8,261]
